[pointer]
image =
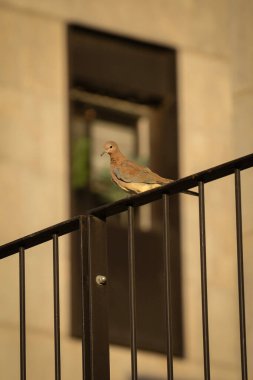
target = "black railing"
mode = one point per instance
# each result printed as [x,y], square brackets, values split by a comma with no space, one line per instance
[92,230]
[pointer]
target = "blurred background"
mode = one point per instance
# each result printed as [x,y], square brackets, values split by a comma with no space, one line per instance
[172,83]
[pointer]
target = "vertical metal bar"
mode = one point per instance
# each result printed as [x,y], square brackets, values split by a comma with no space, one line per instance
[95,331]
[240,275]
[57,348]
[132,305]
[22,314]
[204,280]
[86,323]
[167,273]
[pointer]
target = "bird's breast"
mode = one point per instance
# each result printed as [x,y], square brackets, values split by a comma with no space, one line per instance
[132,187]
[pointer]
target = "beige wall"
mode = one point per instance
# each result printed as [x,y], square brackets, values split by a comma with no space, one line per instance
[242,80]
[215,86]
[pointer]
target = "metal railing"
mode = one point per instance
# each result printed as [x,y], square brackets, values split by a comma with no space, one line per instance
[93,256]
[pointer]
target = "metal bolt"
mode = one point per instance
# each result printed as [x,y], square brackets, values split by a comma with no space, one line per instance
[101,280]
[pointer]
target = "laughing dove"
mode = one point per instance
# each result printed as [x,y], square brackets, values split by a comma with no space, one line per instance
[130,176]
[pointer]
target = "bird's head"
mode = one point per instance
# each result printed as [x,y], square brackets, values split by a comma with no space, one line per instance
[110,147]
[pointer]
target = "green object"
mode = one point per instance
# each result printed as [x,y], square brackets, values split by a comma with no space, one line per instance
[80,162]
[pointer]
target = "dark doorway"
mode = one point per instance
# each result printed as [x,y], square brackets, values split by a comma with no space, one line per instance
[125,90]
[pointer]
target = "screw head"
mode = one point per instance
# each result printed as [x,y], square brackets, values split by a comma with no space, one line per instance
[101,280]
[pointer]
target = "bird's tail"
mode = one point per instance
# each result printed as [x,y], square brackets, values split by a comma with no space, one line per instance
[188,192]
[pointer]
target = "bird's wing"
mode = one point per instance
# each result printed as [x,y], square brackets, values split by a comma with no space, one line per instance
[130,172]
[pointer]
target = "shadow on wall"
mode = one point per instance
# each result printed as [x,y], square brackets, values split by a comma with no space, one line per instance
[150,378]
[158,378]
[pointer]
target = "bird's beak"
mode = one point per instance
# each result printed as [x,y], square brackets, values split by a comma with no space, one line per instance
[102,153]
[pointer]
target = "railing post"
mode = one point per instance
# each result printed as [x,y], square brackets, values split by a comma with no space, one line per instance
[167,278]
[202,230]
[22,314]
[95,336]
[132,292]
[57,336]
[239,237]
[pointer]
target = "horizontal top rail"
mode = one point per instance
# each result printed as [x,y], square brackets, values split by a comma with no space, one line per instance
[40,237]
[110,209]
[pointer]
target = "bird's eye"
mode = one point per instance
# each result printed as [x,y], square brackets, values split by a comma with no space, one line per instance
[110,146]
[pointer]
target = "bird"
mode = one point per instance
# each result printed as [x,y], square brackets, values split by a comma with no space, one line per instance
[130,176]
